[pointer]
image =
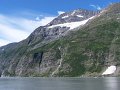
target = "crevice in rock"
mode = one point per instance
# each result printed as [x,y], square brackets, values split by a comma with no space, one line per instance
[60,64]
[112,50]
[37,57]
[0,73]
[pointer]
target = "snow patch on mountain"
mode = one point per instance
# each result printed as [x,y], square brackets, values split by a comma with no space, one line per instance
[79,16]
[3,49]
[65,17]
[72,25]
[110,70]
[73,12]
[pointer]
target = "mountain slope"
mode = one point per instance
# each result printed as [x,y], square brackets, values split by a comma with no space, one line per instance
[58,50]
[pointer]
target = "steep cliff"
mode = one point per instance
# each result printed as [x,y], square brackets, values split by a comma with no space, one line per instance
[76,43]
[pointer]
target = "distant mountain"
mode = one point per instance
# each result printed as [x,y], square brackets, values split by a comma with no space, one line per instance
[76,43]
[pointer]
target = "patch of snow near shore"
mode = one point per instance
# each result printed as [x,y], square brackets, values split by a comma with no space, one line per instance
[110,70]
[72,25]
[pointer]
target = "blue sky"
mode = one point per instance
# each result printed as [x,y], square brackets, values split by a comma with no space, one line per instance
[18,18]
[50,6]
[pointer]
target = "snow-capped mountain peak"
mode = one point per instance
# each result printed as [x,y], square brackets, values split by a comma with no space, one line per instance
[73,16]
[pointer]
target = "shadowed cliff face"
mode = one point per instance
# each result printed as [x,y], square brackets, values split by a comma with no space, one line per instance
[0,73]
[58,51]
[37,58]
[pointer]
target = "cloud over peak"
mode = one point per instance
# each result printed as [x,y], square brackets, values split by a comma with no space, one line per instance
[60,12]
[96,7]
[15,29]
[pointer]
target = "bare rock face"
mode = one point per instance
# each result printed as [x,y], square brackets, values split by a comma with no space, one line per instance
[73,16]
[56,50]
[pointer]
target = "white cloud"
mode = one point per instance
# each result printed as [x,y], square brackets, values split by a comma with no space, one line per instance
[46,20]
[96,7]
[3,42]
[110,3]
[14,29]
[60,12]
[37,18]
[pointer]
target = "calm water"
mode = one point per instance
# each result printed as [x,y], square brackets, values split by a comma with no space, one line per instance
[111,83]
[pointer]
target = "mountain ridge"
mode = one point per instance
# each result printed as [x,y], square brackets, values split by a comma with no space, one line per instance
[86,50]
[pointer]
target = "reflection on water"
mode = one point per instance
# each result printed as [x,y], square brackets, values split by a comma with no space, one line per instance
[111,83]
